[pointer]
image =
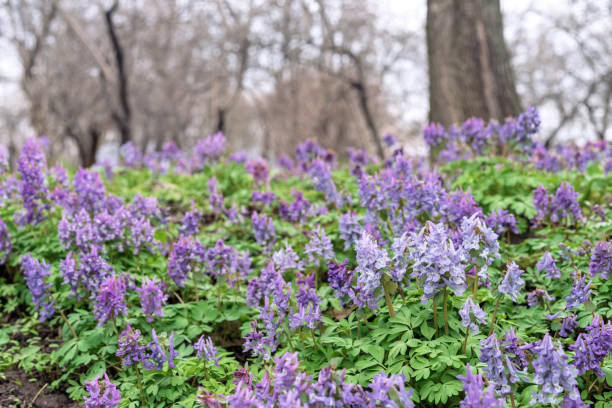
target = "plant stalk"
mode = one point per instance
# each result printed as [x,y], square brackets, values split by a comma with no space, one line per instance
[445,311]
[68,324]
[493,317]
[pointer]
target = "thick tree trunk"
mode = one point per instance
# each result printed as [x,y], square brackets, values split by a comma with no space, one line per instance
[469,65]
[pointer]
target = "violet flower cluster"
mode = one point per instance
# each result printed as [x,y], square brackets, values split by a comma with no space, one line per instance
[101,394]
[35,274]
[601,260]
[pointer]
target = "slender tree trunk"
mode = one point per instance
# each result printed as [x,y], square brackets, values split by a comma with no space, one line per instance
[469,65]
[368,116]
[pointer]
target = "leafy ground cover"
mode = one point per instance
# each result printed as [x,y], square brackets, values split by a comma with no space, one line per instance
[478,278]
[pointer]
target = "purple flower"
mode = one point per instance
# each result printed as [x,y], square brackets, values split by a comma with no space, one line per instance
[190,223]
[205,346]
[553,373]
[239,157]
[568,325]
[547,264]
[541,202]
[89,190]
[308,150]
[512,283]
[216,198]
[389,140]
[471,314]
[497,365]
[32,184]
[131,155]
[181,260]
[341,280]
[259,170]
[349,228]
[384,388]
[514,351]
[129,346]
[501,221]
[308,315]
[434,134]
[5,243]
[207,150]
[580,293]
[102,394]
[371,261]
[537,296]
[592,347]
[264,197]
[601,260]
[286,259]
[155,356]
[319,247]
[263,227]
[152,297]
[110,301]
[35,273]
[475,395]
[436,261]
[565,204]
[296,211]
[322,179]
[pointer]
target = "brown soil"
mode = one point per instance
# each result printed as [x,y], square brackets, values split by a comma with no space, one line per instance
[18,391]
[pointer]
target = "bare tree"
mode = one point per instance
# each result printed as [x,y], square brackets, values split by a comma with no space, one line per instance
[470,73]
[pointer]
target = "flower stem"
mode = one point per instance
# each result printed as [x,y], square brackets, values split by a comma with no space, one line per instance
[445,311]
[467,332]
[493,317]
[435,312]
[68,324]
[512,399]
[385,287]
[195,287]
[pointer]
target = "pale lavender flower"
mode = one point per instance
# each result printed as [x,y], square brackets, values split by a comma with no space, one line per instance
[322,178]
[471,315]
[568,325]
[475,395]
[131,155]
[497,363]
[349,228]
[580,292]
[547,264]
[215,197]
[501,221]
[538,296]
[263,228]
[512,283]
[593,346]
[553,374]
[205,346]
[389,140]
[259,170]
[384,388]
[319,247]
[32,167]
[5,243]
[371,262]
[601,260]
[190,223]
[286,259]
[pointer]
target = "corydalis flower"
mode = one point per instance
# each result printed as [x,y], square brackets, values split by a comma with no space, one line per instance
[512,283]
[156,356]
[32,184]
[319,247]
[190,223]
[371,261]
[502,221]
[102,394]
[349,228]
[35,273]
[110,301]
[471,314]
[499,368]
[580,293]
[286,259]
[547,264]
[568,325]
[601,260]
[436,261]
[216,198]
[323,183]
[475,395]
[263,227]
[5,242]
[537,296]
[152,297]
[259,170]
[205,346]
[553,373]
[593,346]
[129,346]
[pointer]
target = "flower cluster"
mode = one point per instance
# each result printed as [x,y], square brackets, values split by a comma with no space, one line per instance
[35,273]
[601,260]
[558,207]
[102,394]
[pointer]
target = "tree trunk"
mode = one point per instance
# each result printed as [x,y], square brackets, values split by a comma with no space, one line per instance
[469,65]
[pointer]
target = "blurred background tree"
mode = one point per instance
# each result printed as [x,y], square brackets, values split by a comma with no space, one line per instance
[271,73]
